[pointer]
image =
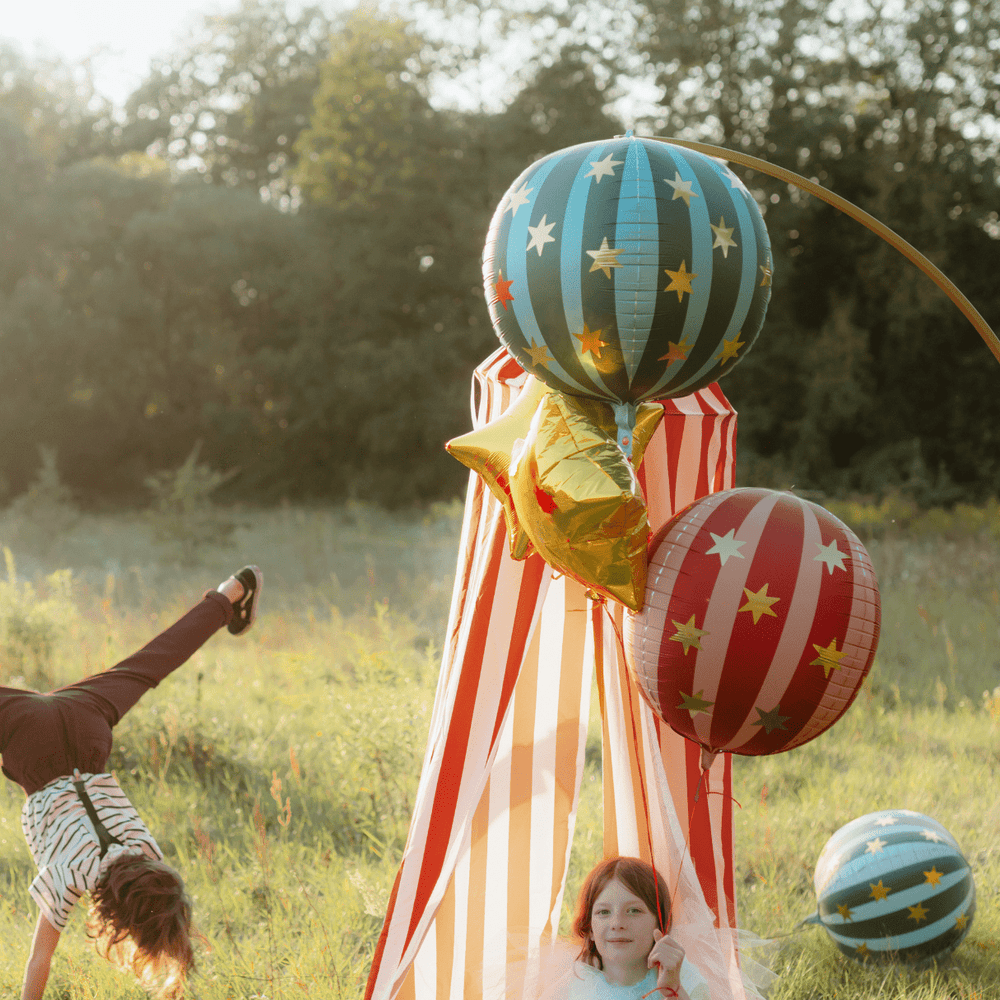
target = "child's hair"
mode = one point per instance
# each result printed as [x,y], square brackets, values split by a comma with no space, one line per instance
[140,920]
[639,878]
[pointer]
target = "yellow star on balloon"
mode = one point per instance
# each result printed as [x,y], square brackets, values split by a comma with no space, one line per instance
[723,236]
[759,604]
[933,877]
[879,891]
[961,921]
[766,273]
[730,348]
[487,451]
[680,280]
[863,950]
[694,703]
[845,911]
[918,912]
[682,189]
[829,657]
[605,258]
[590,340]
[688,634]
[539,354]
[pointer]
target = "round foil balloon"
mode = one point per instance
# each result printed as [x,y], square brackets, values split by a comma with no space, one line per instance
[894,885]
[626,270]
[760,621]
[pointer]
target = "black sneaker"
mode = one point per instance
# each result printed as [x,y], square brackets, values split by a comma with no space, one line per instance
[245,609]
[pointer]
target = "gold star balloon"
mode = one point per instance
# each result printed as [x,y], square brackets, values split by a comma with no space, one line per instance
[577,497]
[488,449]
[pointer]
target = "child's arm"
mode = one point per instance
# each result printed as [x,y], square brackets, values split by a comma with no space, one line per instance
[666,957]
[36,972]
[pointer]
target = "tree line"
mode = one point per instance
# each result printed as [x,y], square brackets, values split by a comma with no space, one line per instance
[274,248]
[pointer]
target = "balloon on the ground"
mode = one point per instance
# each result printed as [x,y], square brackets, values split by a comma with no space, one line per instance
[894,885]
[760,623]
[627,270]
[578,498]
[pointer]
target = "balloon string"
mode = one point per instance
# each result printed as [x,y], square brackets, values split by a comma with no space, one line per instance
[896,241]
[642,786]
[642,779]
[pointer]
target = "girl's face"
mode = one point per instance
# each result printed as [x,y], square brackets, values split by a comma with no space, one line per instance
[622,926]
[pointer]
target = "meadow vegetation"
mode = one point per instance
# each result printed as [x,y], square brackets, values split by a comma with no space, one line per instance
[278,770]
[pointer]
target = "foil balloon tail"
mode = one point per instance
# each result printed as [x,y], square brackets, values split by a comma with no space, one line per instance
[625,414]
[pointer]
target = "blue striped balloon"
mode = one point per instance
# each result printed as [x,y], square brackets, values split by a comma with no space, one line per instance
[627,270]
[893,885]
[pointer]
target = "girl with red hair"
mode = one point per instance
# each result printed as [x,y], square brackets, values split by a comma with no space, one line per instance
[623,923]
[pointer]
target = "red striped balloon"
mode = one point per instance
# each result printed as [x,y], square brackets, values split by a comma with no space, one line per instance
[760,622]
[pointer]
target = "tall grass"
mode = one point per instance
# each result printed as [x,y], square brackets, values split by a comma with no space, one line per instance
[277,771]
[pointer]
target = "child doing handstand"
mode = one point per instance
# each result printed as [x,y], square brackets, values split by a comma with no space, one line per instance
[83,833]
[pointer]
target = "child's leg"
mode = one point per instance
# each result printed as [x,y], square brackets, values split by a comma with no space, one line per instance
[113,692]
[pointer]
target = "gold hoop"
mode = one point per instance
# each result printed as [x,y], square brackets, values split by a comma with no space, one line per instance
[911,253]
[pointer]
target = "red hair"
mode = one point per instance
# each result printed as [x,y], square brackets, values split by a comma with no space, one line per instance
[639,878]
[140,920]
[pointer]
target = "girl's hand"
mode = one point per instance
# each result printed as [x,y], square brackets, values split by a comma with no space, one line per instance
[667,955]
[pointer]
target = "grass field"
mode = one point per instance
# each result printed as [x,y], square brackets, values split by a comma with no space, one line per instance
[278,771]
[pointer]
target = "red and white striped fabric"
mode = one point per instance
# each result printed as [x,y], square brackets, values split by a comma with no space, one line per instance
[481,881]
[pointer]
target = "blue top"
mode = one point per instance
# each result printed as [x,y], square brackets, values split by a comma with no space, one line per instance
[588,983]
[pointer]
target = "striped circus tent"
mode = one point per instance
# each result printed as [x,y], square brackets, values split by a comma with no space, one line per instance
[894,884]
[480,888]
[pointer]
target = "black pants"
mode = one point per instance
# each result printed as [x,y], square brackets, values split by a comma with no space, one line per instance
[46,736]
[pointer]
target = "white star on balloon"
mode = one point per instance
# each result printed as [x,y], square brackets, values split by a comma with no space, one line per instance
[875,846]
[886,821]
[725,546]
[931,835]
[602,168]
[682,189]
[830,555]
[734,181]
[518,198]
[540,236]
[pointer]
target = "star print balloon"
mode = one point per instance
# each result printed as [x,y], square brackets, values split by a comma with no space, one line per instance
[489,449]
[760,622]
[579,500]
[627,270]
[893,885]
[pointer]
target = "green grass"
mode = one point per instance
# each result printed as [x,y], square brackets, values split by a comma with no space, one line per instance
[278,771]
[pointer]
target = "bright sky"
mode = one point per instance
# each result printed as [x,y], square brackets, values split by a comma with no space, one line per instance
[121,36]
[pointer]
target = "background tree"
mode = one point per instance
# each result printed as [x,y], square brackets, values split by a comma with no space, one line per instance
[280,238]
[232,102]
